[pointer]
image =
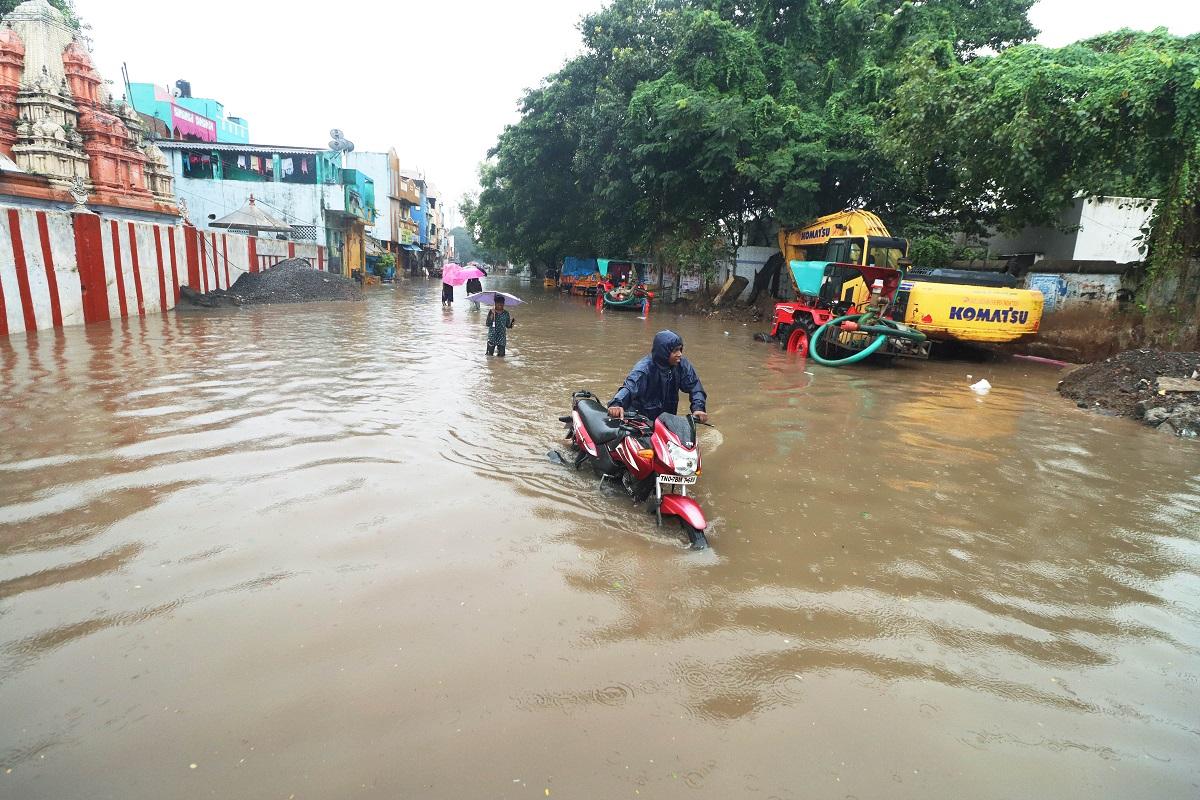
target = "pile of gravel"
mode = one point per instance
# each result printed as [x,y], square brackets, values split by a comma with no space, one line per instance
[290,281]
[1128,385]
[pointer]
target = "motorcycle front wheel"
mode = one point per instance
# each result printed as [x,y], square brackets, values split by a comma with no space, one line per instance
[695,537]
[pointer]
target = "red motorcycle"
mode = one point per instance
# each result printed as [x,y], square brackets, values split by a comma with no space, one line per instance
[662,457]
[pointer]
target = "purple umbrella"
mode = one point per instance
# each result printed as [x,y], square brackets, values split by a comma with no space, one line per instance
[489,298]
[456,275]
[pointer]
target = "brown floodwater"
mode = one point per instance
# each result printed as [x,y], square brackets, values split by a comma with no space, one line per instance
[319,552]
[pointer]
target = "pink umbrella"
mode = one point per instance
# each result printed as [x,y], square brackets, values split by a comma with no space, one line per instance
[456,275]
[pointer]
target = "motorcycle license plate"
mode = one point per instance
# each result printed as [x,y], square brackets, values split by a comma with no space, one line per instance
[676,479]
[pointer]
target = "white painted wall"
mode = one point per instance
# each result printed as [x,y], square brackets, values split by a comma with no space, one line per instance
[131,236]
[1110,228]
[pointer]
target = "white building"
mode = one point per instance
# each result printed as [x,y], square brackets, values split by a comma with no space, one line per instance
[306,187]
[301,199]
[1096,229]
[376,167]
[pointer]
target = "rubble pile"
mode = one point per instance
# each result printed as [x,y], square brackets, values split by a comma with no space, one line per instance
[290,281]
[1160,388]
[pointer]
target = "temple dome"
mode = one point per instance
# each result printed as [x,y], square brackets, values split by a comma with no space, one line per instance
[38,8]
[76,51]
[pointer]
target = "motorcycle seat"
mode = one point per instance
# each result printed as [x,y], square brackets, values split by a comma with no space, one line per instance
[596,421]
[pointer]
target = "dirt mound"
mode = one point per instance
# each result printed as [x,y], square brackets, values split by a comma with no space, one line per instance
[290,281]
[737,311]
[1158,387]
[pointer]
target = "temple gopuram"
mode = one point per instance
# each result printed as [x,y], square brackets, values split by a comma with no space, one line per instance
[63,138]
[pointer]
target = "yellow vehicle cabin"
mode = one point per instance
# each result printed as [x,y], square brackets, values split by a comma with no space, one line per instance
[847,237]
[961,307]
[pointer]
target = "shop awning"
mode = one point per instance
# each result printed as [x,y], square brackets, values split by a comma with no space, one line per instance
[412,248]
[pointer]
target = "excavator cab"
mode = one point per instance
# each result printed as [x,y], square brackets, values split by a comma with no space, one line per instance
[867,251]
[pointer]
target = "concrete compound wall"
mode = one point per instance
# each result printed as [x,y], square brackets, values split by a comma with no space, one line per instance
[1071,290]
[749,261]
[59,268]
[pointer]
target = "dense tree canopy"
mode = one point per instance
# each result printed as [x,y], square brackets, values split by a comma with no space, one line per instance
[691,120]
[1021,133]
[685,117]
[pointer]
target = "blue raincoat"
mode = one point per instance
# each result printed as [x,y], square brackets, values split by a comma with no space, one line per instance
[653,385]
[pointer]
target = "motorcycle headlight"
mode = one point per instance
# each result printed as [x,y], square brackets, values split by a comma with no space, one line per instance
[683,460]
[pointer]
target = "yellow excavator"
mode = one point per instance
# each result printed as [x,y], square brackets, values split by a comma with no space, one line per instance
[946,305]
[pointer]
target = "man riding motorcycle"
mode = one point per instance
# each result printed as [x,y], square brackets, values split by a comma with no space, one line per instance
[654,383]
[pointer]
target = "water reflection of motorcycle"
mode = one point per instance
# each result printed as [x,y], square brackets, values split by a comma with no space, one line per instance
[660,458]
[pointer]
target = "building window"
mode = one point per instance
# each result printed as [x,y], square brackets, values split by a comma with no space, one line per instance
[298,169]
[197,165]
[246,166]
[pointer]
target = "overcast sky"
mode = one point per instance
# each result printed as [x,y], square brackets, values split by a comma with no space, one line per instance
[437,80]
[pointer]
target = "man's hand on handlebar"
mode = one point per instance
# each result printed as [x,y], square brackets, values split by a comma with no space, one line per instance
[701,417]
[616,412]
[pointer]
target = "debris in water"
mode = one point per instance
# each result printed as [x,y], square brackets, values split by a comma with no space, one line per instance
[982,387]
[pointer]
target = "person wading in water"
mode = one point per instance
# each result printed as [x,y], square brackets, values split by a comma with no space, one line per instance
[498,323]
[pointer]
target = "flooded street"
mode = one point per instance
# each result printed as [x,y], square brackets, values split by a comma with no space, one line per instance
[319,552]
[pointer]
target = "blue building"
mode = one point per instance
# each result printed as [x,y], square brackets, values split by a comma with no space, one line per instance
[175,114]
[421,254]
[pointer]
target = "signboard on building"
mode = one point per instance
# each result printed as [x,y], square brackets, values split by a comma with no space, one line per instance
[189,123]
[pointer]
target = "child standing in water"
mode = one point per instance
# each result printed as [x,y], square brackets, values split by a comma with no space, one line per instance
[498,323]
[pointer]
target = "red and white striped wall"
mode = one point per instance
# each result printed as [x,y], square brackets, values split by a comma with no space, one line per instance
[59,269]
[39,283]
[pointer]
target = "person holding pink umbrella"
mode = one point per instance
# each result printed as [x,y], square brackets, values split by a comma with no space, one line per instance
[456,275]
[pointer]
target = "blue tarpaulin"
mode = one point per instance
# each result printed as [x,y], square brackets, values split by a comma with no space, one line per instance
[579,267]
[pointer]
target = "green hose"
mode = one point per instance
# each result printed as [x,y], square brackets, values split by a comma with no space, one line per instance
[887,330]
[850,359]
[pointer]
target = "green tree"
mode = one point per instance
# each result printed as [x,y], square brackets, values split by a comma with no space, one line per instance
[684,117]
[467,248]
[1022,133]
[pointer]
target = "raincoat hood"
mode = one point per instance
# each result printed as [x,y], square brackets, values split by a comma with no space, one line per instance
[653,385]
[664,343]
